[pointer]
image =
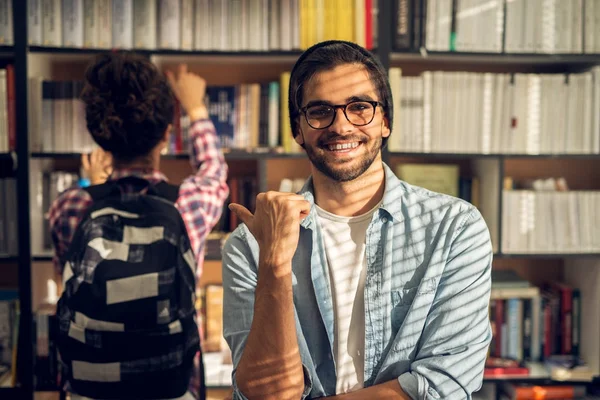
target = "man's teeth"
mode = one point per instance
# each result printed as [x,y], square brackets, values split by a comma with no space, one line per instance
[343,146]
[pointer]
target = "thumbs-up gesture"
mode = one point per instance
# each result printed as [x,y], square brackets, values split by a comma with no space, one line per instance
[276,226]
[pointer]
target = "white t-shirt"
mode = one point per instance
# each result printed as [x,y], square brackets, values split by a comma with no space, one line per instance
[344,240]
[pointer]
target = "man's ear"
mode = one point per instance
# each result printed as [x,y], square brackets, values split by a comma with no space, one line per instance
[385,127]
[299,138]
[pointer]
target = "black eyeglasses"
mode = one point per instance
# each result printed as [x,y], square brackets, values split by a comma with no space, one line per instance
[358,113]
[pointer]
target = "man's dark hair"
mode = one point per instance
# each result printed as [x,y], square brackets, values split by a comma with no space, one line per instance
[128,104]
[327,55]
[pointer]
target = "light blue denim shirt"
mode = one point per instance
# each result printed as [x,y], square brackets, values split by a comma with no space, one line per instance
[429,260]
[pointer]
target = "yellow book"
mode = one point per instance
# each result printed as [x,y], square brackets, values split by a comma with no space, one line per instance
[441,178]
[304,24]
[286,130]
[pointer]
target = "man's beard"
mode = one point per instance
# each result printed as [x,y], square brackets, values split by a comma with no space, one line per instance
[335,169]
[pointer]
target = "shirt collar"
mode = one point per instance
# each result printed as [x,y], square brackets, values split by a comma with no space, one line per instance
[151,175]
[390,204]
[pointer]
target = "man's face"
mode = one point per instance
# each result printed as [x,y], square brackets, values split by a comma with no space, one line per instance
[343,151]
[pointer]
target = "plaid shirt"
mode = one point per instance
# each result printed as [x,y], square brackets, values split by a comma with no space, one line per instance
[200,202]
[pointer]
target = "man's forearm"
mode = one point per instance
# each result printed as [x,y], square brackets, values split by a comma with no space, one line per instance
[270,366]
[388,390]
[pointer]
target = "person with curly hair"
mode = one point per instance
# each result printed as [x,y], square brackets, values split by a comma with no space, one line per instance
[129,108]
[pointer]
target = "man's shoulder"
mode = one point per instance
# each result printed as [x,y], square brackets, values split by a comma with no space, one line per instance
[433,206]
[240,241]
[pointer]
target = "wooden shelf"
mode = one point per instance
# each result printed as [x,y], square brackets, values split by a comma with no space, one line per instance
[481,155]
[496,58]
[229,155]
[166,54]
[8,259]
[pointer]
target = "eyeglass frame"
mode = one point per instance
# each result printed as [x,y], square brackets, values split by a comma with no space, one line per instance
[335,107]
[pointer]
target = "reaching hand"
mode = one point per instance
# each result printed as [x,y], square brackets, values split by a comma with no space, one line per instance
[98,165]
[190,90]
[276,226]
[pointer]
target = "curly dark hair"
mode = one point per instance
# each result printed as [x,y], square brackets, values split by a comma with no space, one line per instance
[128,104]
[327,55]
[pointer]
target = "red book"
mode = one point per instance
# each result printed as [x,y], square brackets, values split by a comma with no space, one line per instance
[369,24]
[500,371]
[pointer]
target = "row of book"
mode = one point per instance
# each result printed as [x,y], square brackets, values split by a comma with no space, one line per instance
[204,25]
[45,185]
[494,26]
[8,130]
[9,243]
[9,330]
[57,117]
[468,112]
[532,324]
[549,218]
[245,116]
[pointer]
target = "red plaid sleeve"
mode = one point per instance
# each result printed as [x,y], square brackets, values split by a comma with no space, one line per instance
[201,196]
[65,214]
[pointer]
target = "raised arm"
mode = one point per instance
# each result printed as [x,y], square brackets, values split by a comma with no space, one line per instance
[202,195]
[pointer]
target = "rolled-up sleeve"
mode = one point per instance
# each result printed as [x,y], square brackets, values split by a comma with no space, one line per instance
[239,285]
[455,340]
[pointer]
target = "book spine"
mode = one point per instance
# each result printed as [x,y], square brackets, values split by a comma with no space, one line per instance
[6,23]
[90,24]
[34,22]
[144,24]
[404,18]
[104,23]
[51,20]
[72,23]
[122,21]
[187,24]
[169,24]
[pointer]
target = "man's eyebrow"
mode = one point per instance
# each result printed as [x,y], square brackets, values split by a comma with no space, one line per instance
[360,97]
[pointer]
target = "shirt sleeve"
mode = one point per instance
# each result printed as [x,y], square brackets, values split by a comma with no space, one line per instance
[457,333]
[239,287]
[65,214]
[202,195]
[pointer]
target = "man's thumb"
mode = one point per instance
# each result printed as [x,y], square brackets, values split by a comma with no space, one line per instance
[242,212]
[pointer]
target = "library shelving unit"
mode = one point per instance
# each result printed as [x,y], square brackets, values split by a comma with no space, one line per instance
[28,271]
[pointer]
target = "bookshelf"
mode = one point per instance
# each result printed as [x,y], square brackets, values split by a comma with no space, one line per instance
[269,166]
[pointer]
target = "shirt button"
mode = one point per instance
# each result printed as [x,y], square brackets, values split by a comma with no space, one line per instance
[384,219]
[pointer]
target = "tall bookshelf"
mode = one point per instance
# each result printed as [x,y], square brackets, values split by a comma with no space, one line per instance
[29,270]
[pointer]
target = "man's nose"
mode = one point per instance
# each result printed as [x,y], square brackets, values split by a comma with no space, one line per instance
[340,123]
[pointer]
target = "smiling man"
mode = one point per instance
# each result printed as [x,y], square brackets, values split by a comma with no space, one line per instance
[360,286]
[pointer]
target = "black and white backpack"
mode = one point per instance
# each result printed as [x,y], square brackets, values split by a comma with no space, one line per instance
[127,321]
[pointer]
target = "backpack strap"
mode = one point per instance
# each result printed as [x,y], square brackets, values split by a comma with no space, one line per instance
[101,191]
[162,189]
[167,191]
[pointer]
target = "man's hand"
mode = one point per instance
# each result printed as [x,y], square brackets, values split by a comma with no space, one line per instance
[276,226]
[190,90]
[98,165]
